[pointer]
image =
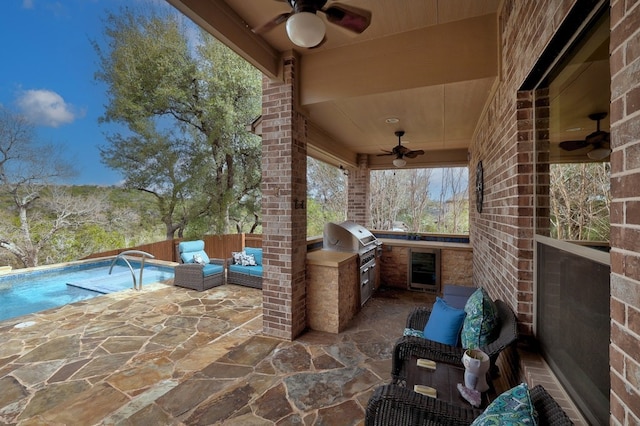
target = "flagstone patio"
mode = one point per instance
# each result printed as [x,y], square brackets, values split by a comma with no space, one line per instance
[169,356]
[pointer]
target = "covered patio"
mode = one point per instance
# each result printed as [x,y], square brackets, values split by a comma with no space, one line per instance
[463,79]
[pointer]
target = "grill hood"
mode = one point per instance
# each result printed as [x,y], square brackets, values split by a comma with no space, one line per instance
[348,236]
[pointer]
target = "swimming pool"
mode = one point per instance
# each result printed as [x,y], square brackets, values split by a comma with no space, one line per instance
[33,291]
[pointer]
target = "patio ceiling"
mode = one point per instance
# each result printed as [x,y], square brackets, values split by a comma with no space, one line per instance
[431,64]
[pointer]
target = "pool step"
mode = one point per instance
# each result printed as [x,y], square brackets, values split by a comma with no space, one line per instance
[106,284]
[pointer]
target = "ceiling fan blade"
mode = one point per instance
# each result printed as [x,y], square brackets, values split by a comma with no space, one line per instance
[573,145]
[386,153]
[414,154]
[268,26]
[349,17]
[597,137]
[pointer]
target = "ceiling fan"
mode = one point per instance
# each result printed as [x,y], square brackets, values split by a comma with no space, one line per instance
[600,140]
[401,151]
[306,29]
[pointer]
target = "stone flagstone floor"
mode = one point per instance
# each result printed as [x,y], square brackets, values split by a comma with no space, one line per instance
[171,356]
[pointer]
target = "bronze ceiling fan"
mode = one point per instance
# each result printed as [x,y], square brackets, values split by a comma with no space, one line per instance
[599,140]
[306,29]
[401,151]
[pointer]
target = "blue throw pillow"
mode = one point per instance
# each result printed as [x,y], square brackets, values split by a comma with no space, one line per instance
[445,323]
[513,407]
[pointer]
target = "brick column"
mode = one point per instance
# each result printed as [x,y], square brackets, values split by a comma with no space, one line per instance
[625,212]
[358,193]
[284,218]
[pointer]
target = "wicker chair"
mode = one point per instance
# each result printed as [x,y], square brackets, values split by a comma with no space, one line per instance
[396,405]
[407,346]
[193,275]
[247,276]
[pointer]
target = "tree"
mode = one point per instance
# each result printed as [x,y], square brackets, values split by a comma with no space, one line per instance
[38,211]
[454,201]
[580,201]
[185,110]
[327,195]
[386,195]
[403,196]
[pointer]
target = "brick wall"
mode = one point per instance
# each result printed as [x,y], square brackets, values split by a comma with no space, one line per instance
[502,235]
[358,193]
[284,219]
[625,212]
[456,266]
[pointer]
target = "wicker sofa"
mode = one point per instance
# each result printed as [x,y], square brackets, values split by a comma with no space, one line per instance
[407,346]
[193,275]
[245,275]
[395,405]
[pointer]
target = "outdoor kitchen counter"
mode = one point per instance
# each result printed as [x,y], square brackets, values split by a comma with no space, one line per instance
[456,262]
[333,291]
[329,258]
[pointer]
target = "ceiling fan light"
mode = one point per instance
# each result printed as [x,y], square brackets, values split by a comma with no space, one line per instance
[305,29]
[599,153]
[399,162]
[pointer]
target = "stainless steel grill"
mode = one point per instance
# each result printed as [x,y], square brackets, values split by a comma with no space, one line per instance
[350,237]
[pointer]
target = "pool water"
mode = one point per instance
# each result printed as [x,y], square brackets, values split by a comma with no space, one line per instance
[30,292]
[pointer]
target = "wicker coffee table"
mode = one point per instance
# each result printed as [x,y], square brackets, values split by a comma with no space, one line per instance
[444,379]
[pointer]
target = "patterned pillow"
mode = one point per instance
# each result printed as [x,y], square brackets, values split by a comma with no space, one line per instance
[248,260]
[481,321]
[414,333]
[513,407]
[237,257]
[198,259]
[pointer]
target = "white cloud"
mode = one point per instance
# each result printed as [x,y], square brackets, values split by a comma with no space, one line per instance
[44,107]
[27,4]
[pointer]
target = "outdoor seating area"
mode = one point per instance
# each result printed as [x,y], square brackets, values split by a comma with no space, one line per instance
[197,271]
[431,384]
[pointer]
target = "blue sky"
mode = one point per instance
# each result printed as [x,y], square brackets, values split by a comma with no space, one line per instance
[47,74]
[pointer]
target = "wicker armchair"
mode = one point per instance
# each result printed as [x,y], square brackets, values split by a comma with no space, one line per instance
[247,276]
[407,346]
[395,405]
[190,274]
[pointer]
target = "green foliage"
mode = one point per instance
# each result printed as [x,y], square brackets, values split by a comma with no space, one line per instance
[326,196]
[185,104]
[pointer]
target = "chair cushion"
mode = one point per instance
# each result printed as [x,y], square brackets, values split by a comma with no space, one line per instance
[444,324]
[255,271]
[188,249]
[456,296]
[210,269]
[513,407]
[481,321]
[256,252]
